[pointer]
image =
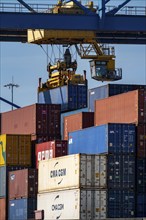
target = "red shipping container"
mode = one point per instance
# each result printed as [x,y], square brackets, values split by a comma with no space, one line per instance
[141,141]
[36,119]
[77,122]
[124,108]
[3,209]
[51,149]
[23,184]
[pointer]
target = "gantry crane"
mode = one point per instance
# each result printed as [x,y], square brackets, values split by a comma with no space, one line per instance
[86,27]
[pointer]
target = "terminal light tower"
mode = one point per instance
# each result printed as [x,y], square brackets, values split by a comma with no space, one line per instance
[11,86]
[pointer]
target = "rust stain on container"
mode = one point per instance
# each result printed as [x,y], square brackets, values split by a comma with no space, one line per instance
[77,122]
[51,149]
[3,209]
[23,183]
[42,119]
[124,108]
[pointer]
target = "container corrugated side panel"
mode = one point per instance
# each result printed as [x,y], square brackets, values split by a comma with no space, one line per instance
[77,121]
[124,108]
[4,178]
[82,96]
[73,204]
[22,209]
[24,150]
[105,91]
[121,171]
[141,175]
[48,119]
[73,171]
[141,204]
[23,121]
[122,138]
[109,138]
[91,140]
[3,213]
[67,114]
[95,94]
[9,147]
[50,149]
[141,140]
[23,184]
[121,204]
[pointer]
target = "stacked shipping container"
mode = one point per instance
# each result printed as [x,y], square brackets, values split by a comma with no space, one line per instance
[23,186]
[113,191]
[15,154]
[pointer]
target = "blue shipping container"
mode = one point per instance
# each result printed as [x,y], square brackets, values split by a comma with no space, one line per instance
[109,138]
[71,97]
[141,205]
[141,175]
[22,209]
[105,91]
[121,171]
[121,204]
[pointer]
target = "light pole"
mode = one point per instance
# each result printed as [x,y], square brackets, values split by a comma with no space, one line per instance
[11,85]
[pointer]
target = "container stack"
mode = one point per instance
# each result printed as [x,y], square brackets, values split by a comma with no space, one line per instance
[15,154]
[23,186]
[118,142]
[22,129]
[74,187]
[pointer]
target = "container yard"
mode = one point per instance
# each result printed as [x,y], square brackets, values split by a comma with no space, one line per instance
[79,151]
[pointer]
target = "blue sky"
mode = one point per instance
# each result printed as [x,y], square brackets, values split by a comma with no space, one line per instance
[27,62]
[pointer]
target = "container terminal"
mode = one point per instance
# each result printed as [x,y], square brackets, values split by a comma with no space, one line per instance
[77,153]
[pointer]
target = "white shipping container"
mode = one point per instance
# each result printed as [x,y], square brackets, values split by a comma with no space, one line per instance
[73,204]
[72,171]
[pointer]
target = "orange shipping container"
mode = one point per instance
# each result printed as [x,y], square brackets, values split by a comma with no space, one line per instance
[15,150]
[124,108]
[77,122]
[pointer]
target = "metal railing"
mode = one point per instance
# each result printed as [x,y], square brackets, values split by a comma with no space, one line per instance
[47,8]
[129,10]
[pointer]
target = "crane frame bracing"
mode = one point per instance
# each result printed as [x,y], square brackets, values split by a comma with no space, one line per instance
[86,27]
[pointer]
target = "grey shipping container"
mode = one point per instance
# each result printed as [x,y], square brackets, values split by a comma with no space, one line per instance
[71,97]
[22,209]
[108,138]
[108,90]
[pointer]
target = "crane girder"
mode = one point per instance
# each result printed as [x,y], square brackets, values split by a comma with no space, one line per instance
[26,5]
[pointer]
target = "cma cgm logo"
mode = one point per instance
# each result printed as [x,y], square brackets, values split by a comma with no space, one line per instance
[57,206]
[45,155]
[58,172]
